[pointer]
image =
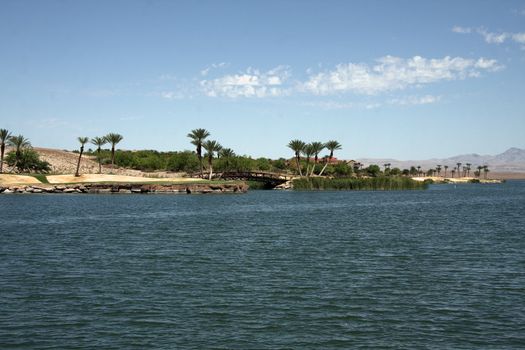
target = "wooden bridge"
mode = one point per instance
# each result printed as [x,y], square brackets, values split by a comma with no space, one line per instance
[269,178]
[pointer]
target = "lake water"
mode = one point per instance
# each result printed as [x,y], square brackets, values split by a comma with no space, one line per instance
[438,269]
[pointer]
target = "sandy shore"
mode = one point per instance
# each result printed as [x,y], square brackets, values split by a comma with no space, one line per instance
[10,179]
[438,179]
[90,178]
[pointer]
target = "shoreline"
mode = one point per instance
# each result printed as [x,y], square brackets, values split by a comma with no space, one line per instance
[460,180]
[126,188]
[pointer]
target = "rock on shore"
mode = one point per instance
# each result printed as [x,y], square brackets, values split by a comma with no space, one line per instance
[128,188]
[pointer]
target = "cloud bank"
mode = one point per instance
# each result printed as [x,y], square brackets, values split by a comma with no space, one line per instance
[394,73]
[387,74]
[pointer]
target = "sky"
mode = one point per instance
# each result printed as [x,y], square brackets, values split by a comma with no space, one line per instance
[387,79]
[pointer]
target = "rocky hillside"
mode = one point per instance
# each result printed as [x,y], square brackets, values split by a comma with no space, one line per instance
[65,162]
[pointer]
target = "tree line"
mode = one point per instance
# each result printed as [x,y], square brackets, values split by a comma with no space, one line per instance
[210,156]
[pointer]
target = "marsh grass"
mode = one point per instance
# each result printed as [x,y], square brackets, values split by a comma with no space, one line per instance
[358,184]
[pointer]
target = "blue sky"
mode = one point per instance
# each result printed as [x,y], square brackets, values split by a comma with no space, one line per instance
[400,79]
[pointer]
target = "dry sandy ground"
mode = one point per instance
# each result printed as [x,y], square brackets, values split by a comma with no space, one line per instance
[452,180]
[58,179]
[9,179]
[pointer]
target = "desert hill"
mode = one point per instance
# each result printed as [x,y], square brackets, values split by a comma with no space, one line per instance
[510,161]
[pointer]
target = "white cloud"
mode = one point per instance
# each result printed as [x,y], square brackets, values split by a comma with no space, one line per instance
[206,70]
[492,37]
[251,83]
[461,30]
[394,73]
[415,100]
[519,38]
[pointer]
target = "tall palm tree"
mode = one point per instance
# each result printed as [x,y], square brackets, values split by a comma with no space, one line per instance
[332,146]
[4,137]
[317,147]
[419,170]
[485,170]
[459,165]
[308,152]
[438,169]
[99,142]
[83,141]
[197,137]
[468,169]
[446,167]
[211,148]
[113,138]
[453,171]
[297,146]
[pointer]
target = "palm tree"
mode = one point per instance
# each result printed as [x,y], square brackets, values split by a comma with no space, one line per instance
[331,146]
[308,152]
[211,148]
[19,143]
[459,173]
[4,137]
[479,170]
[197,137]
[99,142]
[297,146]
[83,141]
[419,170]
[226,154]
[468,169]
[317,147]
[446,167]
[485,170]
[453,171]
[438,169]
[113,139]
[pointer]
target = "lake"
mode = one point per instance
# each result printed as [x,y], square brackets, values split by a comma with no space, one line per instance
[438,269]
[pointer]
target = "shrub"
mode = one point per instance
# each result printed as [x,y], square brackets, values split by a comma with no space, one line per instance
[28,161]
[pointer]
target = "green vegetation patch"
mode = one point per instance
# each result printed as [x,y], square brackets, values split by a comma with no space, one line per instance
[358,184]
[40,177]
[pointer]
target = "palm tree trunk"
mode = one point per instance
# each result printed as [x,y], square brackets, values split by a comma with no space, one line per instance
[200,162]
[2,150]
[79,157]
[211,171]
[99,162]
[308,167]
[112,156]
[299,166]
[326,164]
[199,155]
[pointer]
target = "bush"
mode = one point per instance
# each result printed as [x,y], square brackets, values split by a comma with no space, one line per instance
[28,161]
[183,161]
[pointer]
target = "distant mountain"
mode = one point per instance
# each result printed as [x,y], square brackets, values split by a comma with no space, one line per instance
[512,160]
